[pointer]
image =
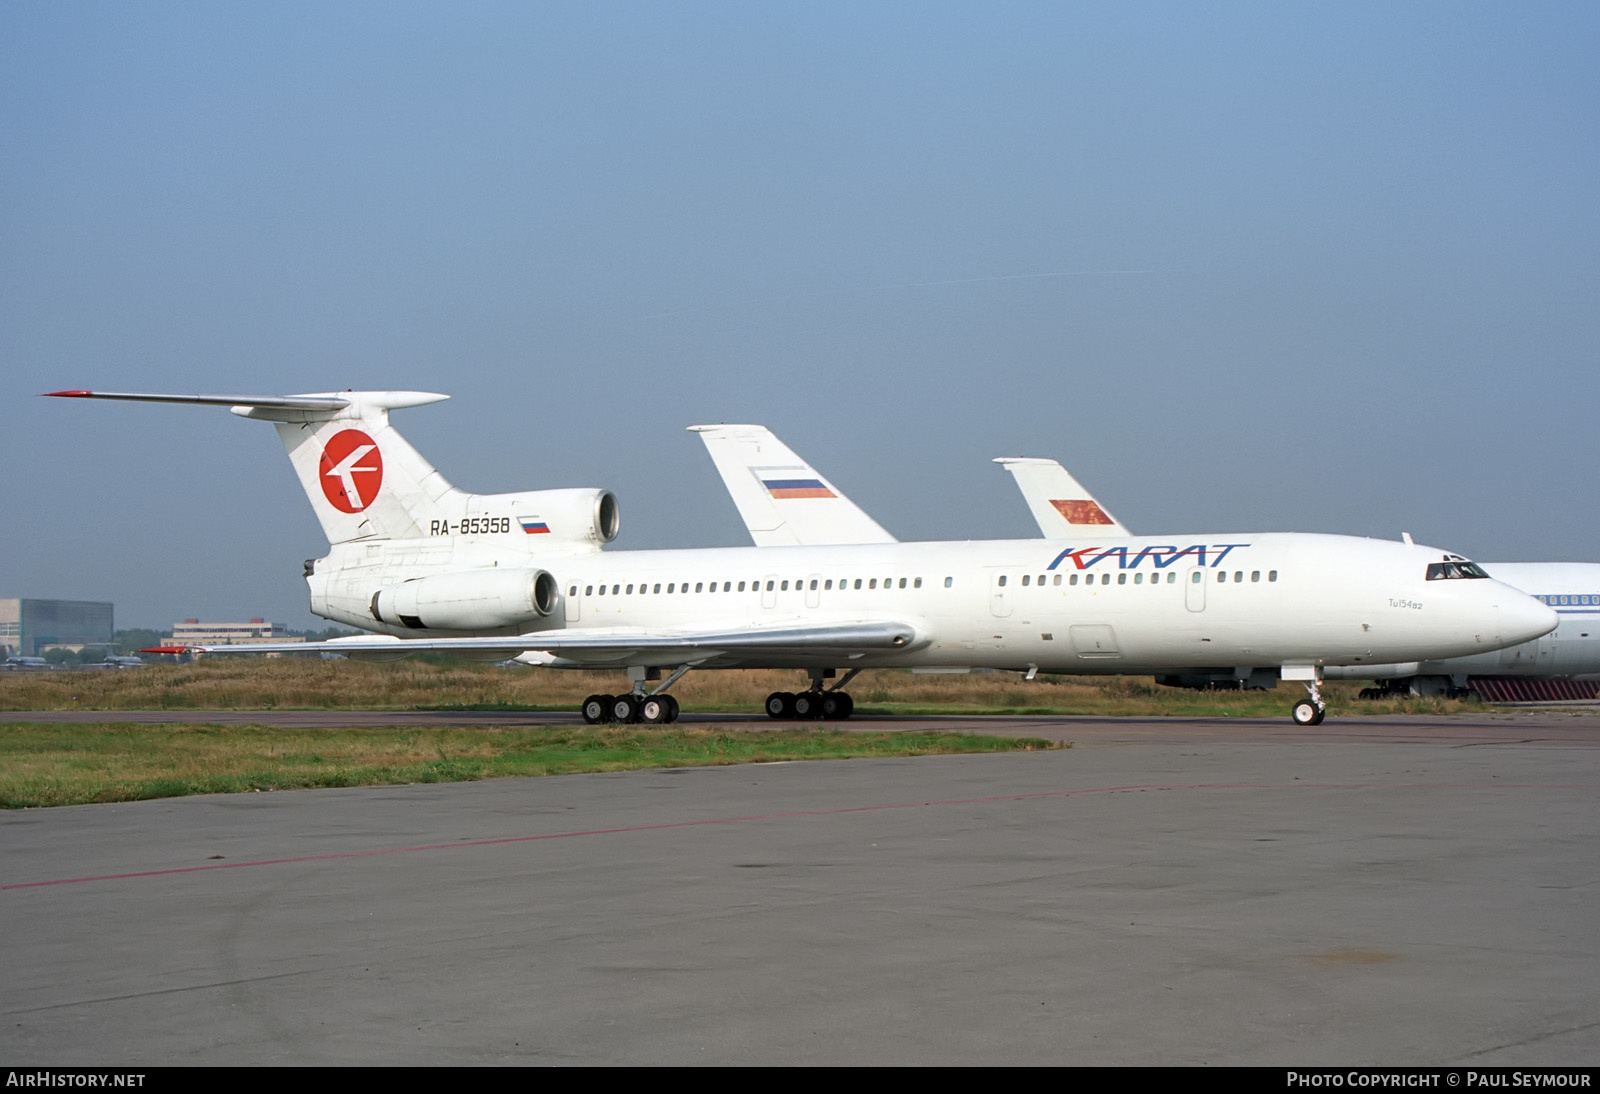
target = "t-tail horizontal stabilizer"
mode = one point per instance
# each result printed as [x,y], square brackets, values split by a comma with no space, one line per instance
[367,484]
[362,478]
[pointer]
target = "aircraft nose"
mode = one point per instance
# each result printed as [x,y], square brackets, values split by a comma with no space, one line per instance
[1522,618]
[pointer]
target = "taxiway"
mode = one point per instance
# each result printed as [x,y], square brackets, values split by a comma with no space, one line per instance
[1375,891]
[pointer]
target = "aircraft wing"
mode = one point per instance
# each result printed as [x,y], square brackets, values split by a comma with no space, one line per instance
[625,646]
[783,501]
[1060,504]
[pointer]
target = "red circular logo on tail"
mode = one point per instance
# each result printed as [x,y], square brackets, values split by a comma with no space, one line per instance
[351,471]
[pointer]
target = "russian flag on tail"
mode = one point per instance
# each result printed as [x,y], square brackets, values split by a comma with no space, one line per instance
[534,526]
[797,488]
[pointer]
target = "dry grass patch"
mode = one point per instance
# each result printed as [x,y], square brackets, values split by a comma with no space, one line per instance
[244,683]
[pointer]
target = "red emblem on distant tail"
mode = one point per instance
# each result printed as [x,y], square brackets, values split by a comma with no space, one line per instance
[351,471]
[1081,512]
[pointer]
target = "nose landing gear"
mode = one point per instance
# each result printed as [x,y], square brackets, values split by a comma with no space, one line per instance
[1308,712]
[1311,710]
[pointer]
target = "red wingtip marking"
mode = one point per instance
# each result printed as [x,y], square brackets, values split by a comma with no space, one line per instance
[166,649]
[71,394]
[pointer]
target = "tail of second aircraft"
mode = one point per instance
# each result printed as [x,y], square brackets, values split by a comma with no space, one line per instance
[365,482]
[783,500]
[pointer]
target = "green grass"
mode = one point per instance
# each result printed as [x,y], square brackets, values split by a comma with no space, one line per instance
[49,763]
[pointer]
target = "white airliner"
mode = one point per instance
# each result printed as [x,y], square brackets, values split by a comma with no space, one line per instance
[116,662]
[488,576]
[1572,589]
[16,661]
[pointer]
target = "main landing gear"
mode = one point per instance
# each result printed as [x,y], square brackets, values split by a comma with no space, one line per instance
[834,705]
[652,709]
[658,708]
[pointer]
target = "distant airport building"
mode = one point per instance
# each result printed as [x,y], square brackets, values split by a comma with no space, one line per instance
[30,627]
[192,632]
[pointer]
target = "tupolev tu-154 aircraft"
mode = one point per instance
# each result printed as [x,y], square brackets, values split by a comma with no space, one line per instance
[429,567]
[1572,589]
[1543,667]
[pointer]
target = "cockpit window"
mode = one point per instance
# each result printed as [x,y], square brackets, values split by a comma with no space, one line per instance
[1449,571]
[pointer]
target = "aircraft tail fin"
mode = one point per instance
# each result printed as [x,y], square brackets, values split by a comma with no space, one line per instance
[783,500]
[1059,503]
[363,479]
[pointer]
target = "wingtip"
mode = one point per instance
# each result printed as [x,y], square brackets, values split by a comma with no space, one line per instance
[76,394]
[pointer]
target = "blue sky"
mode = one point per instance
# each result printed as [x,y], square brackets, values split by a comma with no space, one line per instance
[1240,266]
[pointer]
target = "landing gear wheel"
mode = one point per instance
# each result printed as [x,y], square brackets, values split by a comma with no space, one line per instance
[837,706]
[1307,713]
[597,709]
[780,705]
[672,708]
[654,710]
[808,705]
[625,709]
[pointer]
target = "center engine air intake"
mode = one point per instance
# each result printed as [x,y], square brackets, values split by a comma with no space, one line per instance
[475,600]
[582,515]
